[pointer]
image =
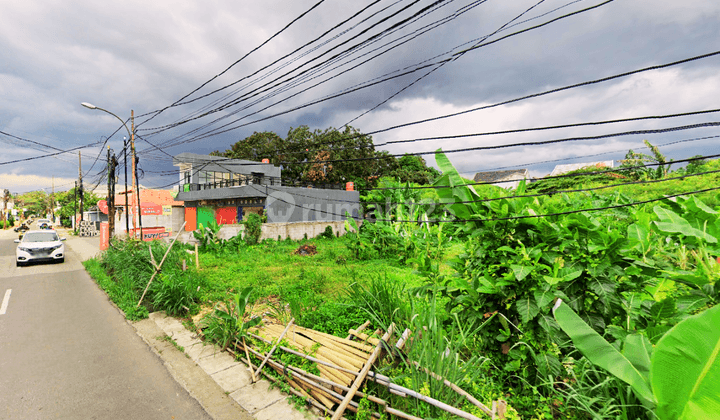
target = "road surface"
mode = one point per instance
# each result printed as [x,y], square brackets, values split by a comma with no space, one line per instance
[67,353]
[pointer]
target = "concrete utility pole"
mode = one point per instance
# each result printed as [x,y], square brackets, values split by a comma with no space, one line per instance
[136,184]
[127,207]
[111,193]
[80,183]
[74,220]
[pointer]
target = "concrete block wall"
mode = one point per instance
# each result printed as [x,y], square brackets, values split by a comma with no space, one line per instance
[294,231]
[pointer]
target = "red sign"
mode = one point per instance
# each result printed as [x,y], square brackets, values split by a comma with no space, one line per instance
[102,205]
[151,233]
[104,236]
[151,209]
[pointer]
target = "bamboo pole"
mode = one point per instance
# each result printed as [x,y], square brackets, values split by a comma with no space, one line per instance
[385,381]
[365,337]
[401,342]
[312,401]
[252,369]
[158,267]
[360,328]
[274,347]
[457,389]
[361,377]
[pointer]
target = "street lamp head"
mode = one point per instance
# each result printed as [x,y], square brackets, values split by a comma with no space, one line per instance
[88,105]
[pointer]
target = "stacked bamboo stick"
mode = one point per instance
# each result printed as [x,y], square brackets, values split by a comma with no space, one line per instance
[343,365]
[344,353]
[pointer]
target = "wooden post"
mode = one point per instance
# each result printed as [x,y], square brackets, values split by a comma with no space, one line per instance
[197,257]
[363,373]
[159,266]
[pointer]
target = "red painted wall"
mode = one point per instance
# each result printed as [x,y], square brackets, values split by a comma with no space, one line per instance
[226,215]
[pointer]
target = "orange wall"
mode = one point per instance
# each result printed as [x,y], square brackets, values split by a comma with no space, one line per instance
[190,219]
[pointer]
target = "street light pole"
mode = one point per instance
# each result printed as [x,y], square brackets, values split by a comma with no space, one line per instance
[130,134]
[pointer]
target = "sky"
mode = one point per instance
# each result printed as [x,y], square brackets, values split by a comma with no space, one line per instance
[220,70]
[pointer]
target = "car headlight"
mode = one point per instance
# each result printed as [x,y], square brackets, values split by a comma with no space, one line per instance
[24,249]
[56,247]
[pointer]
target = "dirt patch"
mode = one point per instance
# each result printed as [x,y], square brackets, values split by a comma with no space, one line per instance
[306,250]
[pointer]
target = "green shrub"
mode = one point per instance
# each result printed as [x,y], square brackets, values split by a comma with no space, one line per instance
[175,293]
[253,228]
[328,233]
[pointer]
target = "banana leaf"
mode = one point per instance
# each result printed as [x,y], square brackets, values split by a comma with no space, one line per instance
[601,353]
[686,369]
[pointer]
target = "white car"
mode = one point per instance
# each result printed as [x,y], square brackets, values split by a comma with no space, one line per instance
[39,245]
[44,224]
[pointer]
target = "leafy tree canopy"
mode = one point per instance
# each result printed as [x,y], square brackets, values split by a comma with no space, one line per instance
[329,156]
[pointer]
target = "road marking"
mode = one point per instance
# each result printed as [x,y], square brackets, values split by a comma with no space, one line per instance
[6,299]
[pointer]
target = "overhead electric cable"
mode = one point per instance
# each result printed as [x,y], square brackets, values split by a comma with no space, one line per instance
[224,128]
[156,113]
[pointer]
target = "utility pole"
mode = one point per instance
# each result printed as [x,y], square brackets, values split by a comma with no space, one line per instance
[74,221]
[136,184]
[80,183]
[111,193]
[52,200]
[127,208]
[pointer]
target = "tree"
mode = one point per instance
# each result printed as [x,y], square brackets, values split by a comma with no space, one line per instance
[328,156]
[414,169]
[68,207]
[36,202]
[637,159]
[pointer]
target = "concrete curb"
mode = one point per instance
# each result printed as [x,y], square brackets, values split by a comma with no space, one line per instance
[232,376]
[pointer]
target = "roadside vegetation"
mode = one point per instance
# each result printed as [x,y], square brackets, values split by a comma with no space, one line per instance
[577,315]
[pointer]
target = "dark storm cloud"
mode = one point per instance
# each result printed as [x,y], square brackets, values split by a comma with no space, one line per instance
[145,56]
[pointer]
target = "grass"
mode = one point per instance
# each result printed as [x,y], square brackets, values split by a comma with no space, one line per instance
[272,268]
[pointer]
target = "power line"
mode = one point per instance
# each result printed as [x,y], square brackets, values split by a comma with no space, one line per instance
[49,155]
[224,128]
[528,216]
[336,56]
[236,62]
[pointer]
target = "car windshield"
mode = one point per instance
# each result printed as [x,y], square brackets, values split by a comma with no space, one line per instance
[40,237]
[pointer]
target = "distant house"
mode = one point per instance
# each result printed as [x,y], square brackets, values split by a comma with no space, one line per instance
[225,191]
[160,213]
[504,179]
[563,169]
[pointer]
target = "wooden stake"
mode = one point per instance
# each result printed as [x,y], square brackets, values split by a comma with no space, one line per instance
[252,369]
[157,268]
[363,373]
[197,257]
[274,347]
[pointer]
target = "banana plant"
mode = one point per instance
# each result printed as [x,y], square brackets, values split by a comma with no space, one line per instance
[679,378]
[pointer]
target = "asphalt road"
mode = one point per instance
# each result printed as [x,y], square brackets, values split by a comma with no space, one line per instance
[67,353]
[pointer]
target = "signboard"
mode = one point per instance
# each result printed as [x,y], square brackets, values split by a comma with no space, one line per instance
[151,209]
[104,236]
[87,228]
[102,205]
[167,210]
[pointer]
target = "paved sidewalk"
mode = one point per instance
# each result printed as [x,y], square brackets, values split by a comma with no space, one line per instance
[231,376]
[85,247]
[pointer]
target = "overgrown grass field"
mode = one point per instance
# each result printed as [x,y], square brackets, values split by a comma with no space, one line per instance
[566,316]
